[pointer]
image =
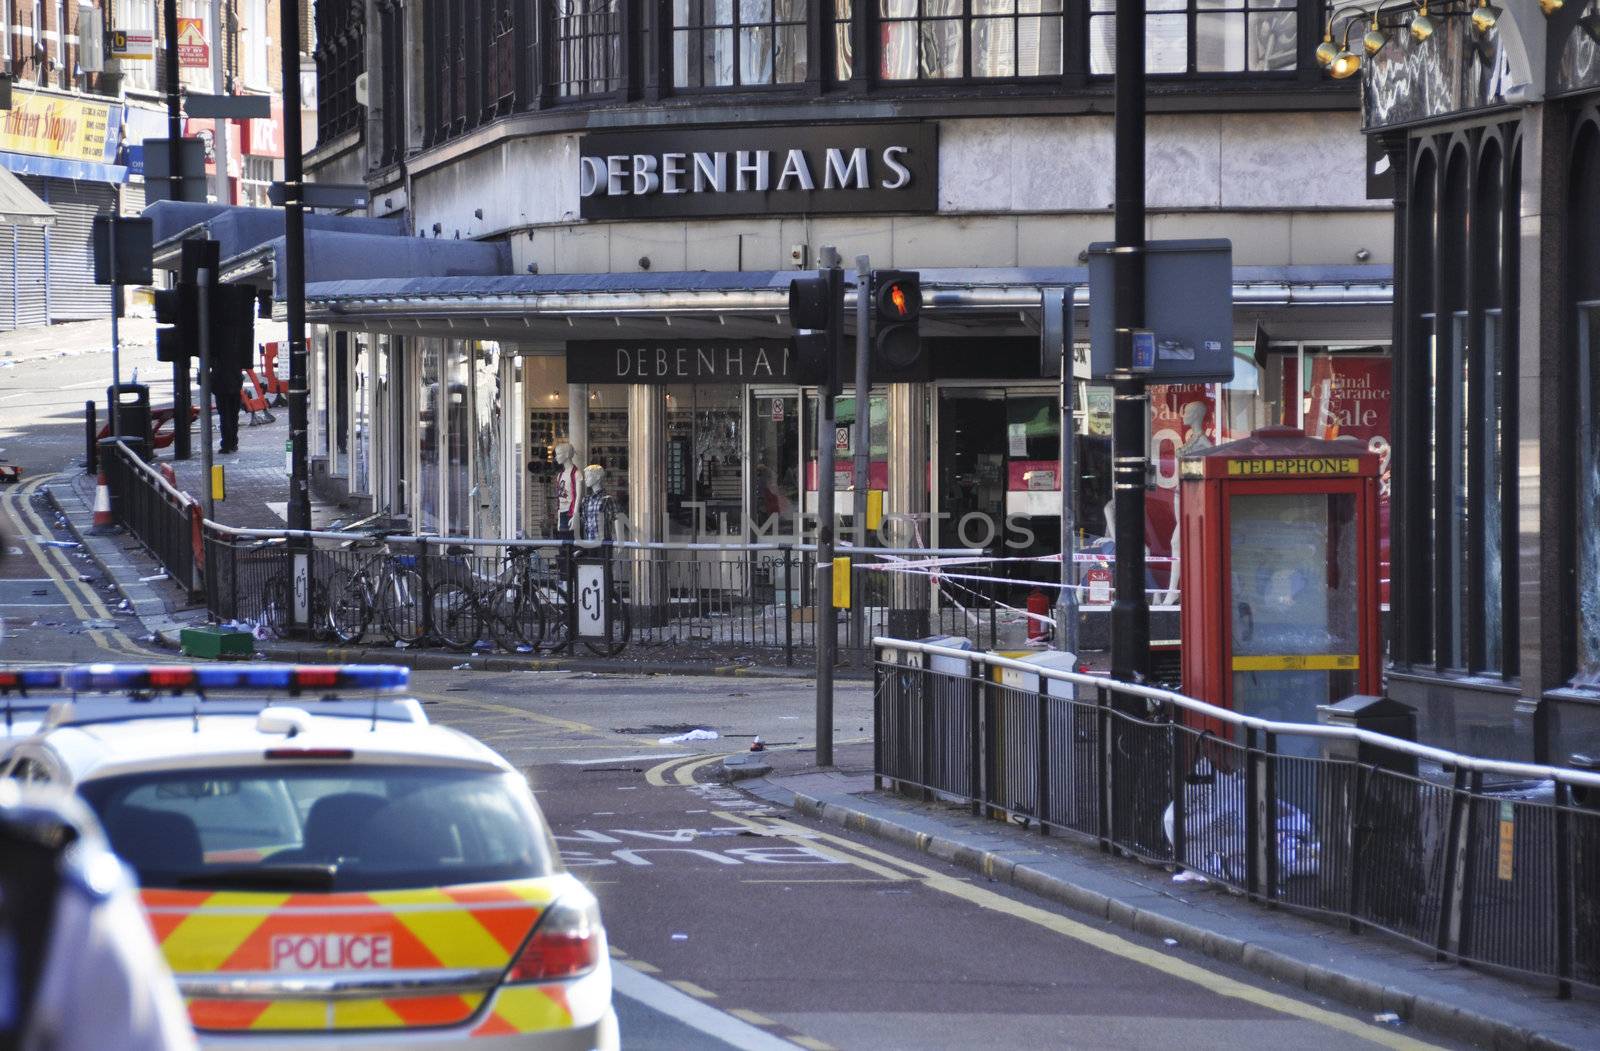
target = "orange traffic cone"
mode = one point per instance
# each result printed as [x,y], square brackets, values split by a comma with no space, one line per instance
[103,522]
[758,745]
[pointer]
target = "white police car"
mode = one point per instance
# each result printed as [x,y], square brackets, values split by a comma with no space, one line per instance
[327,870]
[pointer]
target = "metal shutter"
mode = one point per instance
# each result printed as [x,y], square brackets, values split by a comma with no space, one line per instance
[73,294]
[133,198]
[22,284]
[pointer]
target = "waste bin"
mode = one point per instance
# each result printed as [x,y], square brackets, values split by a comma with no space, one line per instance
[1379,715]
[131,404]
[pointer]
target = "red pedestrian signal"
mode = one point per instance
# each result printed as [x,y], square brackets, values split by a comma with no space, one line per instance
[897,351]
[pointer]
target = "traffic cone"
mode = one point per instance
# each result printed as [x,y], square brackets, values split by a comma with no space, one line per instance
[758,745]
[103,522]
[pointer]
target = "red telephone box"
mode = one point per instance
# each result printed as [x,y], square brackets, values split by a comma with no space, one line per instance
[1280,573]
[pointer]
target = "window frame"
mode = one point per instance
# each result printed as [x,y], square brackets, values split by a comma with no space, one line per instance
[671,32]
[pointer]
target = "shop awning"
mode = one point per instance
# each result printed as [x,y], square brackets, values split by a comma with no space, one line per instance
[334,256]
[240,230]
[62,168]
[1293,302]
[20,206]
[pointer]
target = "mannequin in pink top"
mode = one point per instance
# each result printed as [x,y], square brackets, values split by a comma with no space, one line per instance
[569,488]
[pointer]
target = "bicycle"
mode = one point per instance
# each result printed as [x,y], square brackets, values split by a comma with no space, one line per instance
[276,612]
[467,609]
[385,587]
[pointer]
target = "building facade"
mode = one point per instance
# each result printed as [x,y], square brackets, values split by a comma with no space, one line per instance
[1494,139]
[659,171]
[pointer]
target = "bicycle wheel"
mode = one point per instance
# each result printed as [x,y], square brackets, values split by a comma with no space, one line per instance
[349,605]
[400,605]
[554,612]
[619,628]
[504,614]
[277,607]
[455,615]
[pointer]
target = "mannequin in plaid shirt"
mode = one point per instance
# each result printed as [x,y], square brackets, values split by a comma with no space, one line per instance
[596,511]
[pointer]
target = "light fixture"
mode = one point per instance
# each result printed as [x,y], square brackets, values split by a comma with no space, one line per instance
[1421,25]
[1550,7]
[1590,24]
[1484,16]
[1376,38]
[1327,51]
[1347,63]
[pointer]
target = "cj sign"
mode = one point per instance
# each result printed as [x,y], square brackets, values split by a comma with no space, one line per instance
[837,168]
[679,361]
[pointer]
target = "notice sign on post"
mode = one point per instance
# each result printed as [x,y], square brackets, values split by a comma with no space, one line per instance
[194,52]
[1188,312]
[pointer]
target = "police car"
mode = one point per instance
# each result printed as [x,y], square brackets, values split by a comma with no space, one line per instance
[323,867]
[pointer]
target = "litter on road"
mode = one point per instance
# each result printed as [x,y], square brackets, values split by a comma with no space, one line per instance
[692,735]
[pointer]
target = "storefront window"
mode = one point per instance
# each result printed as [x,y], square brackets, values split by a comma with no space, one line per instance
[318,362]
[588,46]
[608,437]
[844,411]
[1588,533]
[458,437]
[360,413]
[339,410]
[1492,468]
[705,462]
[1229,36]
[774,465]
[721,43]
[429,426]
[383,420]
[487,432]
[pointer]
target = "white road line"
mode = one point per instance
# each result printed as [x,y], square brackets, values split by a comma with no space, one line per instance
[693,1013]
[624,758]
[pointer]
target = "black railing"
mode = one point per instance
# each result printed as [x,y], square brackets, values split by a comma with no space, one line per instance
[1479,861]
[155,512]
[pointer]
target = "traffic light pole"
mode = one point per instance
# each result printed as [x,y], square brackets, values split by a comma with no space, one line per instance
[1130,615]
[863,431]
[203,279]
[174,127]
[827,622]
[116,341]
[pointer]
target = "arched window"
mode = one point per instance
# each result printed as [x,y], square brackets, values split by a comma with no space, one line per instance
[1415,533]
[1451,447]
[1583,290]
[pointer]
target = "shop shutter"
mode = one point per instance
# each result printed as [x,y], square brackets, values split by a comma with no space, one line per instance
[22,283]
[133,198]
[73,294]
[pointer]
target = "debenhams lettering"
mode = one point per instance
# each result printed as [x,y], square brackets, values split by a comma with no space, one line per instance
[744,171]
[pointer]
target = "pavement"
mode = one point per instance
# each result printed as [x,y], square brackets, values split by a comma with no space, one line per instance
[1371,970]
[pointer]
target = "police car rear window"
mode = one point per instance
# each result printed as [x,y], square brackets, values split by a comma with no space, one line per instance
[322,828]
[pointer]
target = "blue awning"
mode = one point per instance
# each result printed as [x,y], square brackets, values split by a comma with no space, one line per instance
[239,229]
[337,257]
[61,168]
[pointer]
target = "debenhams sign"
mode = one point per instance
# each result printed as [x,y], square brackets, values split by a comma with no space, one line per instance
[758,171]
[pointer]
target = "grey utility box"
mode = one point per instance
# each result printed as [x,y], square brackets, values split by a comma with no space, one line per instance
[1378,715]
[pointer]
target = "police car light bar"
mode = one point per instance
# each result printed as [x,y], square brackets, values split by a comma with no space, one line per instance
[107,678]
[31,679]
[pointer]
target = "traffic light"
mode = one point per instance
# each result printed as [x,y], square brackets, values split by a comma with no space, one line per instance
[177,311]
[897,352]
[816,309]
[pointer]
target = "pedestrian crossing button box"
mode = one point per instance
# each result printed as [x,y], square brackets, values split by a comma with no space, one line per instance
[1278,566]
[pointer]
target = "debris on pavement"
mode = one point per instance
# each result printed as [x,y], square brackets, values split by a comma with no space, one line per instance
[692,735]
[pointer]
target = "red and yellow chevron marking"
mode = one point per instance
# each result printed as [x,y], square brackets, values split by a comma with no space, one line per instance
[478,926]
[526,1009]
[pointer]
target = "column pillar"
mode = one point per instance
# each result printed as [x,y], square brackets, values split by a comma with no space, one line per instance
[578,421]
[647,500]
[909,593]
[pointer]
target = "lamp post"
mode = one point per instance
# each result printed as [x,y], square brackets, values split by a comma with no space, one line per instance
[294,238]
[1130,614]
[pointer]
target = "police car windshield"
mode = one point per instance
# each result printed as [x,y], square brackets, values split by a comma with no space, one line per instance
[335,828]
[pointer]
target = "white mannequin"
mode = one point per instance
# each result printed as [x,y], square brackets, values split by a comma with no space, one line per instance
[596,511]
[569,489]
[1194,435]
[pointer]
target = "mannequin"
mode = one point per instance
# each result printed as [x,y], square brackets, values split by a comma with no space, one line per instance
[569,488]
[596,511]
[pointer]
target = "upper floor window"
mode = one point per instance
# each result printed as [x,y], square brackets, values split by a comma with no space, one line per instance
[946,39]
[341,57]
[588,47]
[1202,36]
[723,43]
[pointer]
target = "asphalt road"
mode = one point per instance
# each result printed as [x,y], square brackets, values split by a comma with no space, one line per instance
[823,938]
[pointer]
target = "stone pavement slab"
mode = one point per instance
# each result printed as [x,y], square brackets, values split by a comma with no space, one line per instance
[1370,970]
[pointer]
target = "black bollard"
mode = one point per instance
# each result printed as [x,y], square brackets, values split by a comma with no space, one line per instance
[91,457]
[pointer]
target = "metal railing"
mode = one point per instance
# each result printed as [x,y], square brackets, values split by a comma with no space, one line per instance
[1481,861]
[153,510]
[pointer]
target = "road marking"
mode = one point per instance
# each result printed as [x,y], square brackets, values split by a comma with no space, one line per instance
[1106,941]
[813,1044]
[684,774]
[619,759]
[696,991]
[787,881]
[700,1016]
[751,1016]
[506,709]
[810,843]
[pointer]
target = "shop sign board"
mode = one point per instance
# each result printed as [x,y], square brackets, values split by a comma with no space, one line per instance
[679,361]
[54,126]
[850,168]
[131,45]
[194,52]
[1188,310]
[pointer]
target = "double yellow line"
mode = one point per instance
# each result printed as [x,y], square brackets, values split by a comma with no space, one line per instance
[884,866]
[81,599]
